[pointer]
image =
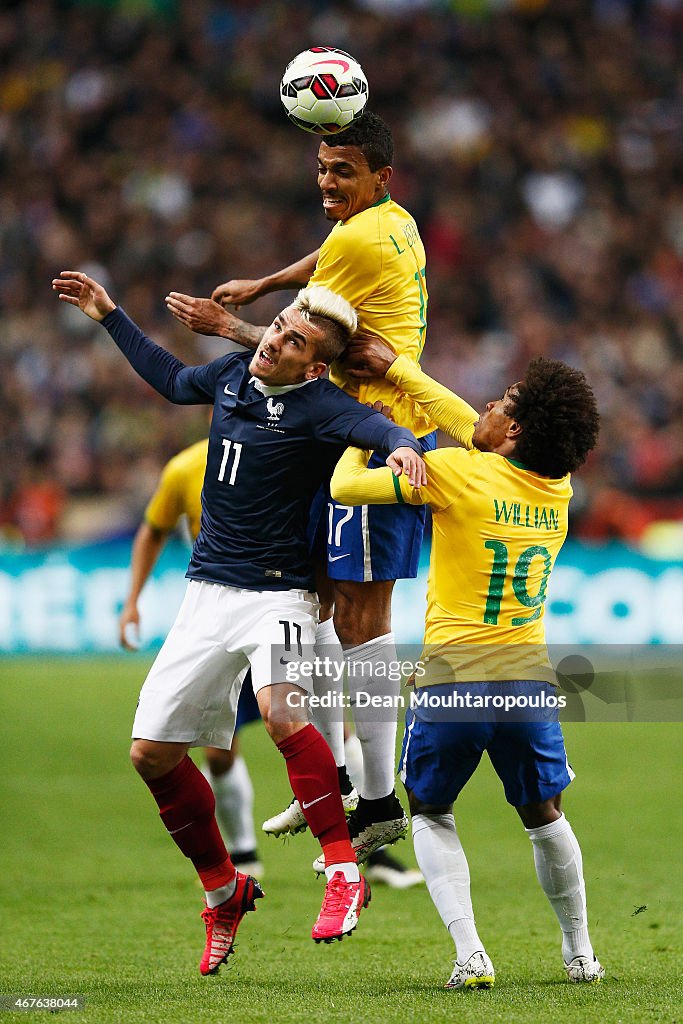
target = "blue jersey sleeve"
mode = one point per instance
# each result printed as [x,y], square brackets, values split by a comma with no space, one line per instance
[342,419]
[184,385]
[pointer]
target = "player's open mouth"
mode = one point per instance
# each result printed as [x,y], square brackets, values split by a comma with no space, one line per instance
[331,201]
[265,359]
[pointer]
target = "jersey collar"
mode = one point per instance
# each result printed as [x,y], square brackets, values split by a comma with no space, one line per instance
[384,199]
[275,390]
[519,465]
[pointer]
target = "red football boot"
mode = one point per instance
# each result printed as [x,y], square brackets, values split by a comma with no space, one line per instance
[222,922]
[342,904]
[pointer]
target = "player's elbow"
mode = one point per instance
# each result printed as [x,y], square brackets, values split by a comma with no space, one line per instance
[342,491]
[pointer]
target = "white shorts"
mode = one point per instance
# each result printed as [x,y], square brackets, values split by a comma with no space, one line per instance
[190,694]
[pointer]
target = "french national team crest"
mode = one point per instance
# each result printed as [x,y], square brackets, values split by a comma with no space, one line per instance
[275,410]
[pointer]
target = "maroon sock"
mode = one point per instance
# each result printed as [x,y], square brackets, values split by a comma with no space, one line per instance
[187,809]
[315,782]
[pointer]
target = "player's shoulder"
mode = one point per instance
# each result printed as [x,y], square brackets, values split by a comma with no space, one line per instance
[453,454]
[323,390]
[372,218]
[239,359]
[323,396]
[231,365]
[453,466]
[394,209]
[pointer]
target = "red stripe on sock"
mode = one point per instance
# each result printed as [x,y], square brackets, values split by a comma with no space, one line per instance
[315,783]
[187,809]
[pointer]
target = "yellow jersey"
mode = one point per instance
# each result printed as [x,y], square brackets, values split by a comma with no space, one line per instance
[376,261]
[180,491]
[497,530]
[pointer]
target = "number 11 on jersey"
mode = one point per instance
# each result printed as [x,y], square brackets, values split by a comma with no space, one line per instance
[236,448]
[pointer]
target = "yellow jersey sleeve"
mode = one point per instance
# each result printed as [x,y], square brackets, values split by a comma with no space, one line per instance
[354,484]
[451,414]
[179,491]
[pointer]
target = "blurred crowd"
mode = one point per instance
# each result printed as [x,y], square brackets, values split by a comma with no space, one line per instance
[538,145]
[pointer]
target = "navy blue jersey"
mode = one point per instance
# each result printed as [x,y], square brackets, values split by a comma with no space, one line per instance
[269,450]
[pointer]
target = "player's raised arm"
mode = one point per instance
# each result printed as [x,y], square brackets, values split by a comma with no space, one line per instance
[368,357]
[184,385]
[204,316]
[241,292]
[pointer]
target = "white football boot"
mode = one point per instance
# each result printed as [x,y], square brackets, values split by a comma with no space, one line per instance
[292,820]
[477,972]
[583,969]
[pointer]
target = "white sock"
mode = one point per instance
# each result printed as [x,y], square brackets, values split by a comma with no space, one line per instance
[443,863]
[220,895]
[375,727]
[348,869]
[354,760]
[234,795]
[329,721]
[559,867]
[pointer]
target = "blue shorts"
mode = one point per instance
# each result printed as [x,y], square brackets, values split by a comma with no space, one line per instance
[372,542]
[529,757]
[247,708]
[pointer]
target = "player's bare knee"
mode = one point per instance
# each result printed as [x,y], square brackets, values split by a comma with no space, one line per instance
[151,760]
[279,730]
[542,813]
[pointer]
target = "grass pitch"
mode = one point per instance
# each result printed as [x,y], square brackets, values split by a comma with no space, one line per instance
[96,900]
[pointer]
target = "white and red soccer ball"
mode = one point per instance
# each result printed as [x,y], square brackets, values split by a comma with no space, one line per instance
[323,90]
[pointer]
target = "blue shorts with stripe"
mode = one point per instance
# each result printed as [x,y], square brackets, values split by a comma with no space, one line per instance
[441,751]
[371,542]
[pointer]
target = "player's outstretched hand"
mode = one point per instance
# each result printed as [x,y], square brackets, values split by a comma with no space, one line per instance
[80,290]
[405,460]
[237,293]
[367,356]
[203,316]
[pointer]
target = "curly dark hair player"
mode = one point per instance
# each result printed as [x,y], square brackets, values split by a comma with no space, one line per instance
[556,408]
[500,512]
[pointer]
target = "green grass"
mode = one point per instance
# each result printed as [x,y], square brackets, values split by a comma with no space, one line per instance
[96,900]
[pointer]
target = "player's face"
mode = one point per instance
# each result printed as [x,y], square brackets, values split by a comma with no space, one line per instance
[346,181]
[287,353]
[496,424]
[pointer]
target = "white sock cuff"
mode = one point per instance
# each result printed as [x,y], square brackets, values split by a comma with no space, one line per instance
[349,869]
[325,633]
[370,647]
[431,821]
[555,828]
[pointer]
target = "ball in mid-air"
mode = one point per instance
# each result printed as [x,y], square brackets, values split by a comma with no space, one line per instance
[323,90]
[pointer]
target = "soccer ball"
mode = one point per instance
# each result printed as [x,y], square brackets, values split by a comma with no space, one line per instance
[323,90]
